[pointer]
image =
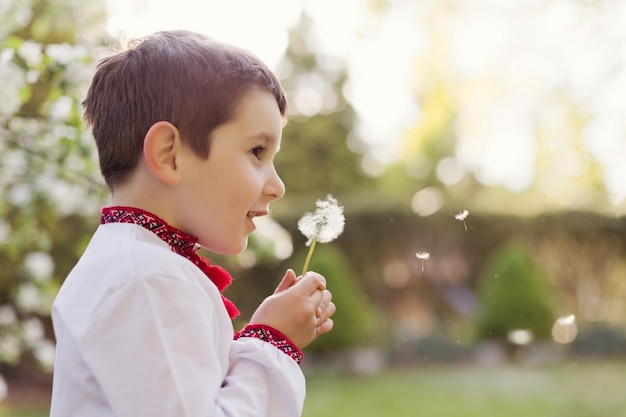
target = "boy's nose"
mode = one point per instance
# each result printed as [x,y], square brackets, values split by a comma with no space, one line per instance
[275,187]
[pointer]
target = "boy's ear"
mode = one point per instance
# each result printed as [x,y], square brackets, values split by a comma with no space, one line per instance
[160,147]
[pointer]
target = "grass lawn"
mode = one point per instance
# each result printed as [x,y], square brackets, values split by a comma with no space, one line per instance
[26,411]
[589,389]
[570,389]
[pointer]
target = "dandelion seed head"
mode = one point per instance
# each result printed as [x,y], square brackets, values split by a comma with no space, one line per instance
[423,255]
[325,224]
[462,215]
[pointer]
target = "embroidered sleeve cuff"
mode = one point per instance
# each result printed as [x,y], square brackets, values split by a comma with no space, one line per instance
[270,335]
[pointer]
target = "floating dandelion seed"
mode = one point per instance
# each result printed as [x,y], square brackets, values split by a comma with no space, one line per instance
[423,256]
[461,217]
[324,225]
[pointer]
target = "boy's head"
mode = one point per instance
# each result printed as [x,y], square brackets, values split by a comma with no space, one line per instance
[185,78]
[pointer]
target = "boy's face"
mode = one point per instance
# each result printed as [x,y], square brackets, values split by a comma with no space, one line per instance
[218,198]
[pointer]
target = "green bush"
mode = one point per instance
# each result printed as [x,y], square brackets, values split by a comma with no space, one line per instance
[513,294]
[356,322]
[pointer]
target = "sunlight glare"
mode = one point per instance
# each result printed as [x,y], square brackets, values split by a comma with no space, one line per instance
[427,201]
[565,330]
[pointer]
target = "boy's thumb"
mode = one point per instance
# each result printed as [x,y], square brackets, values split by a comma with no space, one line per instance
[288,280]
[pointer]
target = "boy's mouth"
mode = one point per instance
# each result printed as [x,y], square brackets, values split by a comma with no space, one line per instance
[253,214]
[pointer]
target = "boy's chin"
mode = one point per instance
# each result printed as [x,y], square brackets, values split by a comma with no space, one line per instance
[235,250]
[232,250]
[243,247]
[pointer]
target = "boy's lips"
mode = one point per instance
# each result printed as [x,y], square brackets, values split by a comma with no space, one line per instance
[253,214]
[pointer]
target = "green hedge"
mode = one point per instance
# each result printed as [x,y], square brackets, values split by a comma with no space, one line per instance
[514,294]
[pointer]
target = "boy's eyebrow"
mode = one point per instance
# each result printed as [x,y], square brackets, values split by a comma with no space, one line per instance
[266,137]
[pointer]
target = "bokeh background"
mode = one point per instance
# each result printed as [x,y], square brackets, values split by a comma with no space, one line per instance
[409,113]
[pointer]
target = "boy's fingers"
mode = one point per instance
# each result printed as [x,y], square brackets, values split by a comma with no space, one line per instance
[325,327]
[288,280]
[325,308]
[311,282]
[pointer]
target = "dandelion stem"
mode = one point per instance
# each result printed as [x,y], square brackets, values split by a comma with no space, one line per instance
[308,256]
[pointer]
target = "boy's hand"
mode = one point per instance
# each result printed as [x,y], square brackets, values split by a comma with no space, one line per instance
[300,308]
[288,280]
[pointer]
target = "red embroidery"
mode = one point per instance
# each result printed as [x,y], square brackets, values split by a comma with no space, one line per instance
[180,242]
[273,336]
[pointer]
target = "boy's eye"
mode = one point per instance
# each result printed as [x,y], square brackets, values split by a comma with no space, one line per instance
[258,151]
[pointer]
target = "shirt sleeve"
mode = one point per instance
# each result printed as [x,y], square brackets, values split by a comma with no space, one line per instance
[275,337]
[159,347]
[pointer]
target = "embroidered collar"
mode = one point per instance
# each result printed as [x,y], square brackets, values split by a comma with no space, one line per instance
[179,241]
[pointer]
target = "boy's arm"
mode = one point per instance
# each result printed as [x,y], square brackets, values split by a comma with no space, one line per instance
[159,347]
[299,307]
[257,363]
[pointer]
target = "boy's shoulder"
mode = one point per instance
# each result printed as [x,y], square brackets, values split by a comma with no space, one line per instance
[124,240]
[121,253]
[120,266]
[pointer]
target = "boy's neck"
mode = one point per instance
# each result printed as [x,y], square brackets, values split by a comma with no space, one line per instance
[144,194]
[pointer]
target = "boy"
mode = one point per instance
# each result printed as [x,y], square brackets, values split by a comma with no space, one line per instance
[187,129]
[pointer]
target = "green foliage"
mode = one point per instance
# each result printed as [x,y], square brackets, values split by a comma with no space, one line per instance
[356,321]
[514,295]
[316,159]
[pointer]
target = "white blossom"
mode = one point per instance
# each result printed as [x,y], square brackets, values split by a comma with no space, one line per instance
[29,298]
[11,75]
[32,331]
[44,351]
[20,195]
[39,265]
[325,224]
[61,108]
[31,52]
[65,53]
[10,348]
[7,315]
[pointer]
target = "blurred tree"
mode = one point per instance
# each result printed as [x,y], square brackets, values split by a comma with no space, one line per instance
[514,295]
[433,139]
[509,121]
[48,173]
[320,151]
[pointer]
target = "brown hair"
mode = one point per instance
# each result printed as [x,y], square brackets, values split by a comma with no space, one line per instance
[185,78]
